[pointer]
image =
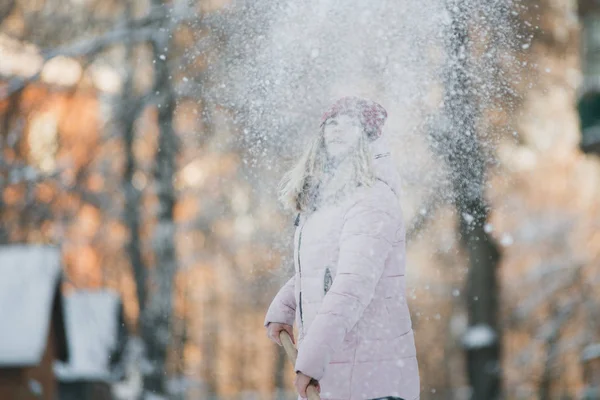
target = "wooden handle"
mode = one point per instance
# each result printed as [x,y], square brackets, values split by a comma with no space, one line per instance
[290,350]
[312,393]
[286,341]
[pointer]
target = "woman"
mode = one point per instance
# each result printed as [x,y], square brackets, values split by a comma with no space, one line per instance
[348,293]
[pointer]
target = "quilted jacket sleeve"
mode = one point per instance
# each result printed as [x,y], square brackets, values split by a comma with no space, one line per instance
[283,306]
[365,243]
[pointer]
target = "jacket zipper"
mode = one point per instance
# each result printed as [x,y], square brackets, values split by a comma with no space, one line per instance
[300,273]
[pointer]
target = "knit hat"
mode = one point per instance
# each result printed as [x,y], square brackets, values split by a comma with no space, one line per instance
[371,114]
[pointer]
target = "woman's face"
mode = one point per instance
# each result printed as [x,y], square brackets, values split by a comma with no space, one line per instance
[341,136]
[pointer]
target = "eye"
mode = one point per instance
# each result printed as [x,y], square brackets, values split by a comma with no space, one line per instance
[332,122]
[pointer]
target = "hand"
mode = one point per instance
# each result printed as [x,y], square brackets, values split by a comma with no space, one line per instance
[273,329]
[302,382]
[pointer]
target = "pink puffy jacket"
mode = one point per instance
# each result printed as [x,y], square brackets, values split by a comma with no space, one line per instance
[348,294]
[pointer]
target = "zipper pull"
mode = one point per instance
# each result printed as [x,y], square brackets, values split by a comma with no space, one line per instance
[297,221]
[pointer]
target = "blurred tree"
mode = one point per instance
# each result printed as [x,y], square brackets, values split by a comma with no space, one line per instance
[467,166]
[11,123]
[127,108]
[102,31]
[588,104]
[157,310]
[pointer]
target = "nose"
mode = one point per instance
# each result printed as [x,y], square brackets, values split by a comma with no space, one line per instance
[335,135]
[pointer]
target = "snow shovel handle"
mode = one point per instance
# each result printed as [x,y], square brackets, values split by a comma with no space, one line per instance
[286,341]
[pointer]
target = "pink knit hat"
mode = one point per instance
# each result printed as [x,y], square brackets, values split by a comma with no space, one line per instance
[371,114]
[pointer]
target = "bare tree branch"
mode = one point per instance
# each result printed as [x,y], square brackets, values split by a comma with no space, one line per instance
[85,48]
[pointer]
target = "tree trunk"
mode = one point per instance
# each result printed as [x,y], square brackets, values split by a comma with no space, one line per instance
[462,151]
[156,319]
[7,139]
[210,342]
[128,110]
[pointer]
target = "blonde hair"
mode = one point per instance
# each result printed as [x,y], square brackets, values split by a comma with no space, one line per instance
[298,189]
